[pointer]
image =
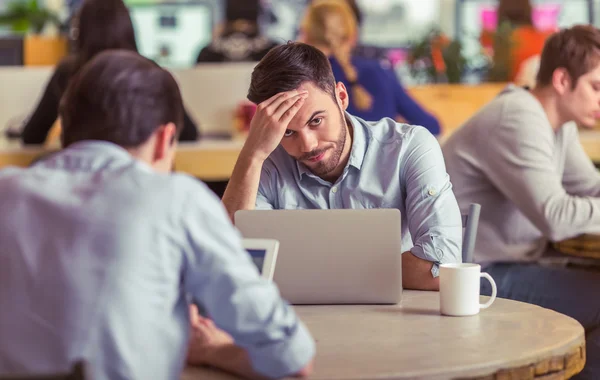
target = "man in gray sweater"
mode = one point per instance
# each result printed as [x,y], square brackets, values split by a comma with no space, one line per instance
[521,159]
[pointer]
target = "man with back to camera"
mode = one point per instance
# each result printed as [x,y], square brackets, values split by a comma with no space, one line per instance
[304,152]
[520,158]
[101,247]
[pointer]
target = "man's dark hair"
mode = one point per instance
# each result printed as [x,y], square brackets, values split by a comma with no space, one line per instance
[286,67]
[120,97]
[575,49]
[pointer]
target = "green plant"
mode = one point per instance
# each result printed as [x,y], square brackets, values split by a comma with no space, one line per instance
[25,16]
[435,58]
[503,45]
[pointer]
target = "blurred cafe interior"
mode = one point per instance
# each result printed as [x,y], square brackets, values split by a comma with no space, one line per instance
[445,64]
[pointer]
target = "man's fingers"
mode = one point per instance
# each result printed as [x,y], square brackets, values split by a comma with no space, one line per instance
[201,332]
[286,105]
[288,115]
[207,322]
[194,313]
[270,105]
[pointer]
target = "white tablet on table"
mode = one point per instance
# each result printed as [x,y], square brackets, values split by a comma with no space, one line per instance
[264,255]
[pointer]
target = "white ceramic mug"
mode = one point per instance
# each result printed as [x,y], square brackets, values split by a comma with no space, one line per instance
[459,289]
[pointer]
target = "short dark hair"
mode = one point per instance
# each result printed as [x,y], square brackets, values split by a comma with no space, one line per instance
[120,97]
[576,49]
[286,67]
[102,25]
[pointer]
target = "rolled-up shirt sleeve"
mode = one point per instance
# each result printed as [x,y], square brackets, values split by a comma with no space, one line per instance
[433,215]
[221,277]
[265,197]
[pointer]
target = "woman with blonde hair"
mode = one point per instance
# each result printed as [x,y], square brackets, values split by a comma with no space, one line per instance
[375,92]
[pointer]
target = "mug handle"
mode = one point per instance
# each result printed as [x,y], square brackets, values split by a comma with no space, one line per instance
[494,291]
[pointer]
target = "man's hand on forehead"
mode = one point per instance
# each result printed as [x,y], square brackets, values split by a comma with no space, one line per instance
[271,120]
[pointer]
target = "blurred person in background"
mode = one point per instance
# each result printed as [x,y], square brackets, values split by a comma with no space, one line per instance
[331,26]
[520,157]
[517,53]
[240,39]
[361,49]
[98,26]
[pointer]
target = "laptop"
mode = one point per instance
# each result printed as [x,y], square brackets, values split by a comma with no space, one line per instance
[264,255]
[332,256]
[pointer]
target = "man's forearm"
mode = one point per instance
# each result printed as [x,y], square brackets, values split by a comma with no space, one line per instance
[416,273]
[242,188]
[234,359]
[230,358]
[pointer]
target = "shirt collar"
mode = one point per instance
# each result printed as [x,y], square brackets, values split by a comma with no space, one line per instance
[359,146]
[360,141]
[93,155]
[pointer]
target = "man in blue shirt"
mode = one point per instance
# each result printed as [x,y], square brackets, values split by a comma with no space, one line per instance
[304,151]
[102,248]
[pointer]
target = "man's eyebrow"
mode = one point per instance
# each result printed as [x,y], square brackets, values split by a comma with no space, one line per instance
[313,116]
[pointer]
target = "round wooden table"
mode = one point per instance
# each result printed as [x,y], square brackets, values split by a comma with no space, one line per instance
[510,340]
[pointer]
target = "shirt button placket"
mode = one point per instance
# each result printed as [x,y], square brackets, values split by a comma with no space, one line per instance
[333,197]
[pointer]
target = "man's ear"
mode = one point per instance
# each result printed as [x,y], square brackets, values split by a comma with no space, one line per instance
[165,137]
[561,81]
[342,95]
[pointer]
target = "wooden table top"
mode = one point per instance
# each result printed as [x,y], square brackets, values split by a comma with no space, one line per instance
[213,160]
[414,341]
[209,160]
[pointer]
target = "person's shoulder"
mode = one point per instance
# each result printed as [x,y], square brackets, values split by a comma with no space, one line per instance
[10,175]
[185,184]
[22,182]
[368,64]
[512,103]
[372,71]
[528,32]
[569,131]
[519,109]
[66,67]
[64,71]
[389,130]
[393,141]
[516,96]
[176,194]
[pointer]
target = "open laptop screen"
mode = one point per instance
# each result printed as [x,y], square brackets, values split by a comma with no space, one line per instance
[258,257]
[263,253]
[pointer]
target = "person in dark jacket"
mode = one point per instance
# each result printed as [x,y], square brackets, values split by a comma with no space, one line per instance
[240,40]
[98,26]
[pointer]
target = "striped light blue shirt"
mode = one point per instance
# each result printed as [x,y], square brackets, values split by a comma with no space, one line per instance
[391,165]
[99,255]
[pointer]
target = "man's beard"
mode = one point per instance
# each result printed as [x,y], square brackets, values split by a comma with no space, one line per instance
[324,167]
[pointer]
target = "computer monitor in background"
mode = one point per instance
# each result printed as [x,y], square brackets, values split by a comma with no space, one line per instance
[11,50]
[172,34]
